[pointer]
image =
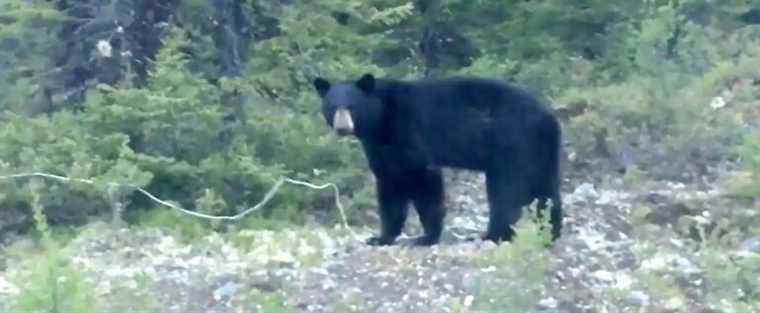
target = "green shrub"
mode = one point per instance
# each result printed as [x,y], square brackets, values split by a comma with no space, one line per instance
[46,278]
[178,139]
[733,286]
[48,282]
[748,185]
[27,35]
[675,91]
[263,301]
[61,144]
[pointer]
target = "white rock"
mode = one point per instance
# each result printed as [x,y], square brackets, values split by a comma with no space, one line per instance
[468,300]
[603,275]
[319,271]
[639,298]
[623,281]
[227,290]
[586,191]
[686,266]
[7,287]
[717,103]
[548,303]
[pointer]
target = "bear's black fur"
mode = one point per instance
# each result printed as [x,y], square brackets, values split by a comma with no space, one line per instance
[409,130]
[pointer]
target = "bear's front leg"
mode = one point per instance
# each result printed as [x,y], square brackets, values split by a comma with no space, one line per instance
[427,195]
[393,210]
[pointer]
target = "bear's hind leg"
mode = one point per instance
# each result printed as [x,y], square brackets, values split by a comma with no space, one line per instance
[555,213]
[506,196]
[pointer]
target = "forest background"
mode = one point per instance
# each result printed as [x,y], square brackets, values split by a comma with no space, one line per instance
[209,103]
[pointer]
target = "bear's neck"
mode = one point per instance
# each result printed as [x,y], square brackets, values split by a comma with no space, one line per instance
[393,96]
[392,91]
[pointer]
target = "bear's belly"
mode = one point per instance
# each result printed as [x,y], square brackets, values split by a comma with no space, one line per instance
[468,150]
[465,160]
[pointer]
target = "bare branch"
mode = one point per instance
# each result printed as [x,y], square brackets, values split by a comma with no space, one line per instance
[268,196]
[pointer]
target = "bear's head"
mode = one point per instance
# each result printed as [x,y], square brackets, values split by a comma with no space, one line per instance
[351,108]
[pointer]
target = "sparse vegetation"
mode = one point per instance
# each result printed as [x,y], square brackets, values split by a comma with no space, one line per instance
[515,273]
[46,279]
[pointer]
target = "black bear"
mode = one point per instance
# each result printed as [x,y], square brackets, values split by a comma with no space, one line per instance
[409,130]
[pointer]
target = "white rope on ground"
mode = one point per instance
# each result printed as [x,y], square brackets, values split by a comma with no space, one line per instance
[268,196]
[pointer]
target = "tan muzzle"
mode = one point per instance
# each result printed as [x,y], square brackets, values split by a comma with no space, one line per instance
[342,122]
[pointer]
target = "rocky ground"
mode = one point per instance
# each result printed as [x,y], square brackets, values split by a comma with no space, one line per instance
[621,251]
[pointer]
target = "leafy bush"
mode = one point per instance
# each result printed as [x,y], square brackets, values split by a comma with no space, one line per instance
[61,144]
[682,94]
[201,150]
[179,140]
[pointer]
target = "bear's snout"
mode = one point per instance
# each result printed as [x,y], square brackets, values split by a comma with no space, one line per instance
[343,123]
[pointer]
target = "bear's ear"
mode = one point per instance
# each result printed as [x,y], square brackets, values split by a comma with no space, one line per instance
[366,83]
[321,85]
